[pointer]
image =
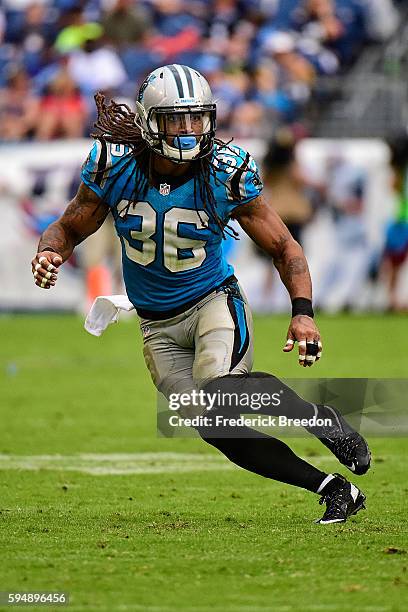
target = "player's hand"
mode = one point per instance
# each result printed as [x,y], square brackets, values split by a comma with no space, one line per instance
[44,267]
[303,330]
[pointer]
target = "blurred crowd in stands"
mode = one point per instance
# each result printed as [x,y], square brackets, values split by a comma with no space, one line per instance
[262,58]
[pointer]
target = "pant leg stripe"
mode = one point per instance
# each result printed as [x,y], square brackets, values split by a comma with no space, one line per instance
[239,308]
[241,332]
[244,331]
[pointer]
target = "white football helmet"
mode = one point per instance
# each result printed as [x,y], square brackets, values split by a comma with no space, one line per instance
[176,113]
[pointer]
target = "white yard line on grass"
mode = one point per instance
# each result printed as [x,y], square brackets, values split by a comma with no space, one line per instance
[117,463]
[111,464]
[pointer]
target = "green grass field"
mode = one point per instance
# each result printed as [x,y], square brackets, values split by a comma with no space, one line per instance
[93,503]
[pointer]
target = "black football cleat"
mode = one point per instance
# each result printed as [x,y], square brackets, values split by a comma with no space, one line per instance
[344,501]
[343,441]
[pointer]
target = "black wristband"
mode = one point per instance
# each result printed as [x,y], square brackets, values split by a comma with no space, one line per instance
[302,306]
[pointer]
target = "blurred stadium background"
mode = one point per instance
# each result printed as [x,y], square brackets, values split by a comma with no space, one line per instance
[315,89]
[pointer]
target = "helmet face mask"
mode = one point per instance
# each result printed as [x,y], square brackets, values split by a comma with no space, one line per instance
[175,127]
[178,132]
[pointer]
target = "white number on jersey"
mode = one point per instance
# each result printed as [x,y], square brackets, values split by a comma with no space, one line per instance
[173,243]
[146,255]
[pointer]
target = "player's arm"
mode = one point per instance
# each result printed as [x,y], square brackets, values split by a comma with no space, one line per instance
[266,228]
[258,219]
[82,217]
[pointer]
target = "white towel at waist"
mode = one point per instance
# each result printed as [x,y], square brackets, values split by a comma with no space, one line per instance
[104,311]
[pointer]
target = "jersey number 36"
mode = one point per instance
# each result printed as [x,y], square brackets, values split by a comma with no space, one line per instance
[178,253]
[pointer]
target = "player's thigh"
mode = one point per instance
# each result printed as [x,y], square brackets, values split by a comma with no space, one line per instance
[170,365]
[223,338]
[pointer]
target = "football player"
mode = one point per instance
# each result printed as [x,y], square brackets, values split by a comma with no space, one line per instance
[172,188]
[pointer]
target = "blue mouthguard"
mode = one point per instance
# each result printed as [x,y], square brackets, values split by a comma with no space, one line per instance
[185,142]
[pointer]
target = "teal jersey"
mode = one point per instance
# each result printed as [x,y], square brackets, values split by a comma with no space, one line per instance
[171,245]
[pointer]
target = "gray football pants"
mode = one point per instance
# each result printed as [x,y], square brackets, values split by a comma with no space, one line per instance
[211,339]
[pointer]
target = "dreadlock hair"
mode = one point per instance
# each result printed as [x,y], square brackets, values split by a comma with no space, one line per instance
[116,124]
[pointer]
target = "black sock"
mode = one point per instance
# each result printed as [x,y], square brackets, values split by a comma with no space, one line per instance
[266,456]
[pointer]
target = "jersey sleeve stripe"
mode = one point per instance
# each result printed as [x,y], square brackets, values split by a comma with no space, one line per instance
[108,165]
[238,185]
[101,160]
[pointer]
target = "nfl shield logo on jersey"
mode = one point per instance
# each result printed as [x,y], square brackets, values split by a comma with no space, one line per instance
[164,189]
